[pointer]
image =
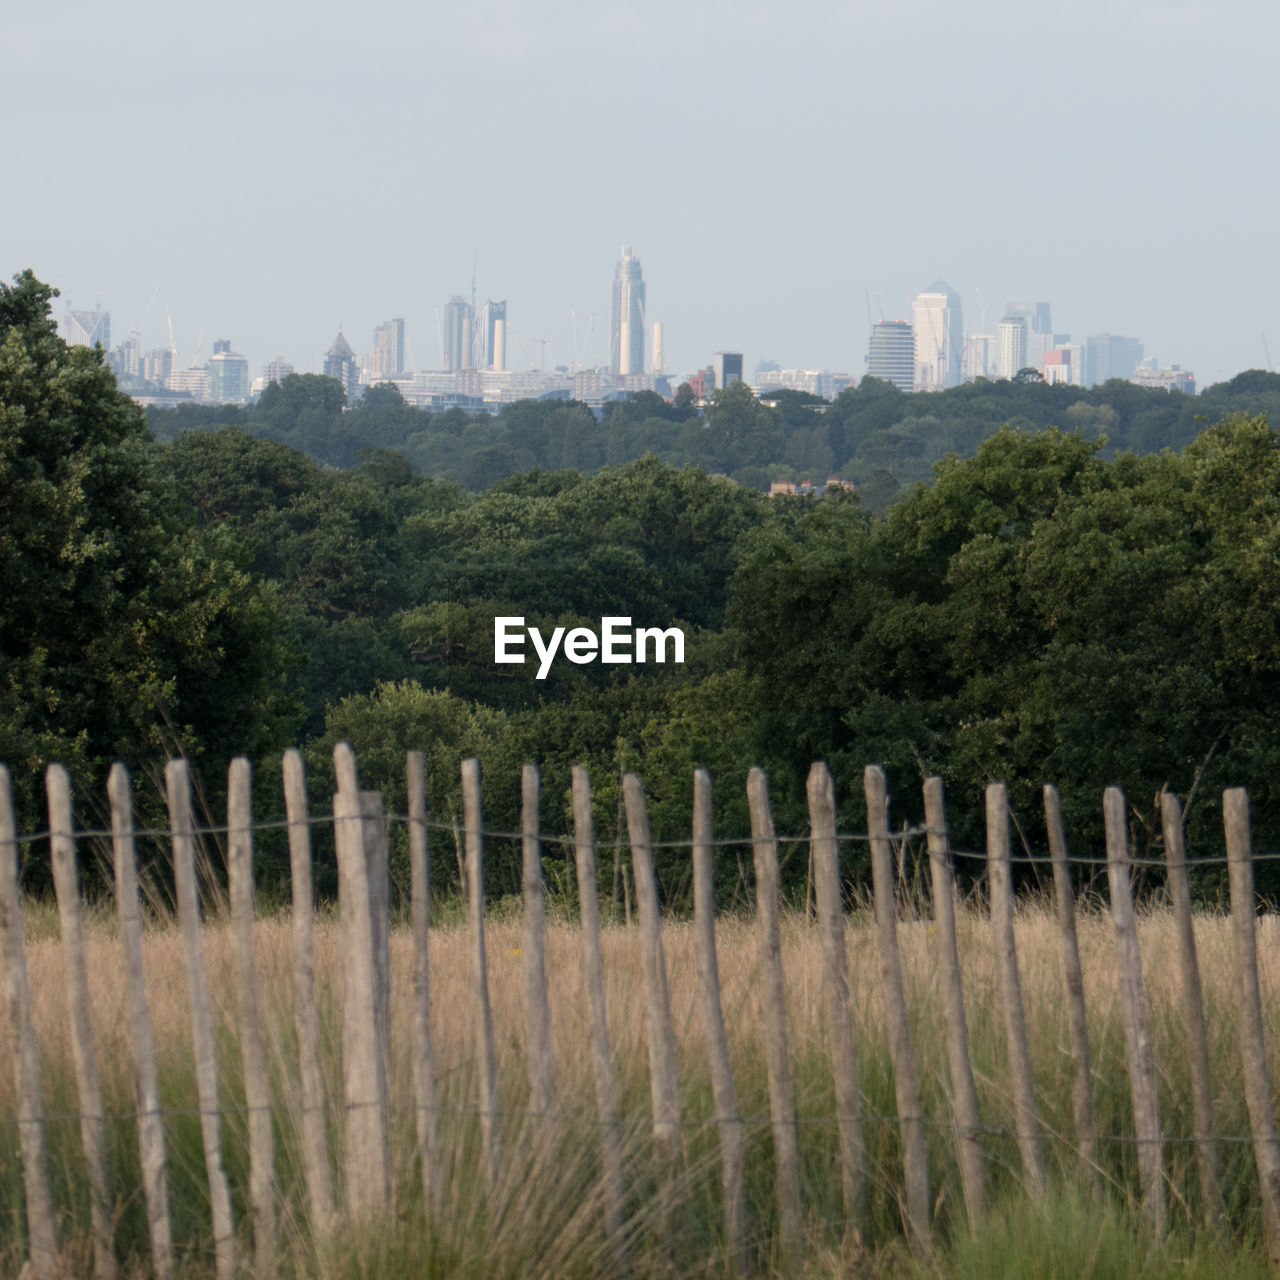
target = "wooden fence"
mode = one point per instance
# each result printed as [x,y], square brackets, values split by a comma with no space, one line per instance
[366,1191]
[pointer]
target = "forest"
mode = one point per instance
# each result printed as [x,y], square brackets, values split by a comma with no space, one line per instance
[1028,583]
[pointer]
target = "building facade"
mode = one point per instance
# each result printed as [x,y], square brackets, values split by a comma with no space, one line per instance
[891,354]
[340,363]
[456,327]
[388,351]
[938,327]
[1012,338]
[87,328]
[626,333]
[485,344]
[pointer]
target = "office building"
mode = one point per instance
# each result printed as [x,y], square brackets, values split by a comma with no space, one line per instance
[938,326]
[485,343]
[1108,356]
[455,334]
[388,351]
[276,370]
[157,365]
[891,354]
[728,368]
[87,328]
[626,333]
[1011,336]
[340,363]
[1174,378]
[228,375]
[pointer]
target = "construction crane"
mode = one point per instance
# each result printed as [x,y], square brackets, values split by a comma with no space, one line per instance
[546,342]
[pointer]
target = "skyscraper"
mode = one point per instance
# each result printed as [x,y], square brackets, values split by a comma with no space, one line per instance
[728,368]
[228,375]
[1012,335]
[340,363]
[891,356]
[626,340]
[1109,356]
[939,337]
[87,328]
[455,334]
[485,347]
[388,351]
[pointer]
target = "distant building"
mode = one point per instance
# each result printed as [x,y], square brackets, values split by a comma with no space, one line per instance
[340,363]
[1055,366]
[980,356]
[1011,335]
[817,382]
[1174,378]
[626,332]
[388,351]
[485,344]
[276,370]
[157,365]
[456,333]
[126,360]
[193,382]
[228,376]
[938,327]
[891,354]
[87,328]
[727,366]
[1108,356]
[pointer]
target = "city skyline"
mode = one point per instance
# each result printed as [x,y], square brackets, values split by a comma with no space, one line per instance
[787,175]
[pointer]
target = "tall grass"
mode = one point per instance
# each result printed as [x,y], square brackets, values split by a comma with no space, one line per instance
[545,1217]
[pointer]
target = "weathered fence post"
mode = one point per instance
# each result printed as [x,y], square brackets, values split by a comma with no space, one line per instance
[601,1056]
[1073,984]
[782,1105]
[315,1145]
[728,1118]
[26,1057]
[424,1080]
[915,1157]
[1000,882]
[1137,1030]
[366,1159]
[92,1126]
[664,1081]
[1253,1049]
[964,1096]
[257,1094]
[151,1149]
[490,1131]
[182,829]
[824,861]
[537,1009]
[1193,1006]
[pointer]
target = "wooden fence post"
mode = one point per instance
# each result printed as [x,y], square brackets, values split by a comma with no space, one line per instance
[26,1057]
[824,859]
[257,1093]
[424,1080]
[366,1159]
[664,1081]
[537,1009]
[315,1145]
[92,1125]
[964,1096]
[601,1056]
[182,829]
[728,1118]
[489,1119]
[1193,1005]
[1073,984]
[1000,882]
[915,1156]
[151,1147]
[1137,1030]
[782,1105]
[1253,1049]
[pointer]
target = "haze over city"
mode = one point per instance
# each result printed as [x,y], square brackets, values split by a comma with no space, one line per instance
[266,176]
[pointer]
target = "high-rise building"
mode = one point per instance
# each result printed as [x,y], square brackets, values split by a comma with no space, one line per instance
[1012,337]
[157,365]
[938,324]
[388,351]
[728,368]
[626,334]
[484,347]
[276,370]
[455,334]
[228,375]
[340,363]
[87,328]
[891,355]
[1108,356]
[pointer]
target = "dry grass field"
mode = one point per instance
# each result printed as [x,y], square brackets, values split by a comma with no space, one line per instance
[545,1217]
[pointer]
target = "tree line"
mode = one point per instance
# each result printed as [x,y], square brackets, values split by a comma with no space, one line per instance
[1049,608]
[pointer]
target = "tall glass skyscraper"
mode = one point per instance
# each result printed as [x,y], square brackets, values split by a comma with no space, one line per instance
[626,346]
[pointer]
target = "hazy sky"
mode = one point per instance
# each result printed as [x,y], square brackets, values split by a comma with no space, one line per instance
[269,171]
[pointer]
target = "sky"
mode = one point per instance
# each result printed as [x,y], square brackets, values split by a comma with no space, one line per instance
[269,172]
